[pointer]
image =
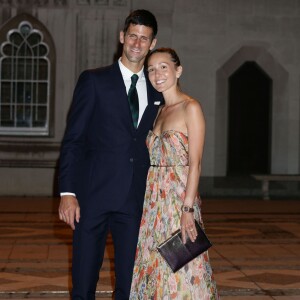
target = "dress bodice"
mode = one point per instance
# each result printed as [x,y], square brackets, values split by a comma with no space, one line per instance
[169,149]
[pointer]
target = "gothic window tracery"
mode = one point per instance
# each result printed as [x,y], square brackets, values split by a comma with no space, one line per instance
[24,82]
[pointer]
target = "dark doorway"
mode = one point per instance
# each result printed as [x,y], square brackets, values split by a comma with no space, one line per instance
[250,93]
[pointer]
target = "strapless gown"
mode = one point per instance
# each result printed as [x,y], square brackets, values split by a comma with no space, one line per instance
[166,187]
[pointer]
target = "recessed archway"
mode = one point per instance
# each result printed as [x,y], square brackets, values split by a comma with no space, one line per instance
[250,92]
[279,76]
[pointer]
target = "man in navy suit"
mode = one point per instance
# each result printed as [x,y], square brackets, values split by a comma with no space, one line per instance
[104,160]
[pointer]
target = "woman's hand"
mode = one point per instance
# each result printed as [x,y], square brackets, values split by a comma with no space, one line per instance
[188,228]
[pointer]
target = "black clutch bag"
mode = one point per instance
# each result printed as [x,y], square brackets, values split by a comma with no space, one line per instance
[177,254]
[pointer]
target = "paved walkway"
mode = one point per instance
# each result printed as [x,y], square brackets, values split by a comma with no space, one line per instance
[256,252]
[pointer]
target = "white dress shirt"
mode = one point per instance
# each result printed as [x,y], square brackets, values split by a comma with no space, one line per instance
[141,88]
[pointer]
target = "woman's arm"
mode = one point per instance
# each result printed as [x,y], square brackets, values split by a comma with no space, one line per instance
[195,123]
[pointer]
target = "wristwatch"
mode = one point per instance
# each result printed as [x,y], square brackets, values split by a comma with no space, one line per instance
[186,209]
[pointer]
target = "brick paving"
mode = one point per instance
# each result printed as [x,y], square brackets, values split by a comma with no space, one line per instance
[255,253]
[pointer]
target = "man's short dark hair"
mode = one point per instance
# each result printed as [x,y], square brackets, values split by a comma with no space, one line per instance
[141,17]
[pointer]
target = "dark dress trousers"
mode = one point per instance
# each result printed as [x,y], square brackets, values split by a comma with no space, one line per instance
[104,161]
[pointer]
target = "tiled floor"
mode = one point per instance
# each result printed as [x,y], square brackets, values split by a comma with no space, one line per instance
[256,252]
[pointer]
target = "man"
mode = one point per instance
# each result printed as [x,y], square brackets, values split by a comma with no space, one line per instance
[104,160]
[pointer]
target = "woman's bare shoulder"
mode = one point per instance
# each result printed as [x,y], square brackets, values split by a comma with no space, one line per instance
[192,105]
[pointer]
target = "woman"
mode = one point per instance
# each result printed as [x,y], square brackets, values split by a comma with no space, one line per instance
[171,201]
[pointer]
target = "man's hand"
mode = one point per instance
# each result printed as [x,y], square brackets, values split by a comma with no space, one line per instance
[69,210]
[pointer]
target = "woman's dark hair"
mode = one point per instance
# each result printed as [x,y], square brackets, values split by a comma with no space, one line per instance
[172,52]
[141,17]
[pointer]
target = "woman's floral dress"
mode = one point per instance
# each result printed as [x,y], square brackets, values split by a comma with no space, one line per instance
[166,184]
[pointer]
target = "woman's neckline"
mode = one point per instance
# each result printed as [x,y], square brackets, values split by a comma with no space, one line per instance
[168,130]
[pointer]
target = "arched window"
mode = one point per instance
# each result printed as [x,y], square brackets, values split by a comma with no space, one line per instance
[25,82]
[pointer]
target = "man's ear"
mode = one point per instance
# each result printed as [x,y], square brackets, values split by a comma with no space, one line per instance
[122,37]
[153,43]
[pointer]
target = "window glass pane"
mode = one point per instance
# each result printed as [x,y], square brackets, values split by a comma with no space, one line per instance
[28,93]
[25,29]
[41,50]
[28,69]
[42,93]
[43,69]
[6,69]
[34,39]
[6,92]
[19,115]
[28,115]
[19,92]
[8,49]
[7,113]
[23,116]
[16,38]
[34,93]
[24,50]
[20,65]
[24,68]
[40,117]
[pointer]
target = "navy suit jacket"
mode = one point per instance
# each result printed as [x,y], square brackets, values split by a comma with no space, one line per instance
[102,155]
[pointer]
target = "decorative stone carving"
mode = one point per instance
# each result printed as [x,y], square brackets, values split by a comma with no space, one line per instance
[117,3]
[60,2]
[101,2]
[83,2]
[39,3]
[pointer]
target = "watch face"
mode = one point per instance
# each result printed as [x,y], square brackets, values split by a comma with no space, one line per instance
[185,209]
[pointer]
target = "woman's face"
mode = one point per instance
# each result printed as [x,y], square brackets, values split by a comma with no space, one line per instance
[163,73]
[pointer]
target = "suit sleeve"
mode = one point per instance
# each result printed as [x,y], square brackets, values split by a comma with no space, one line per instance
[73,142]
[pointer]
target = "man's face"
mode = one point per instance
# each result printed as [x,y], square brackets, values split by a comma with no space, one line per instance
[137,41]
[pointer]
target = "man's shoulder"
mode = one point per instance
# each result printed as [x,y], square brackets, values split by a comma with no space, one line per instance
[101,73]
[103,70]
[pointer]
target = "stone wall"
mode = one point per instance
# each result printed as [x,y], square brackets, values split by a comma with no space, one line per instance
[213,38]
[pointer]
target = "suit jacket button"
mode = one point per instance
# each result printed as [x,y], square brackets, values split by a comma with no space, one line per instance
[131,159]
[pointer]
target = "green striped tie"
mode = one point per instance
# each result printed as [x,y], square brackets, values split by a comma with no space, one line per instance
[133,99]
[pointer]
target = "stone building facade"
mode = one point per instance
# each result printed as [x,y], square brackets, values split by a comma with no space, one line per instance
[223,45]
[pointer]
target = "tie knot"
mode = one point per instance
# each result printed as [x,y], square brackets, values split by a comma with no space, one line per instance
[134,79]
